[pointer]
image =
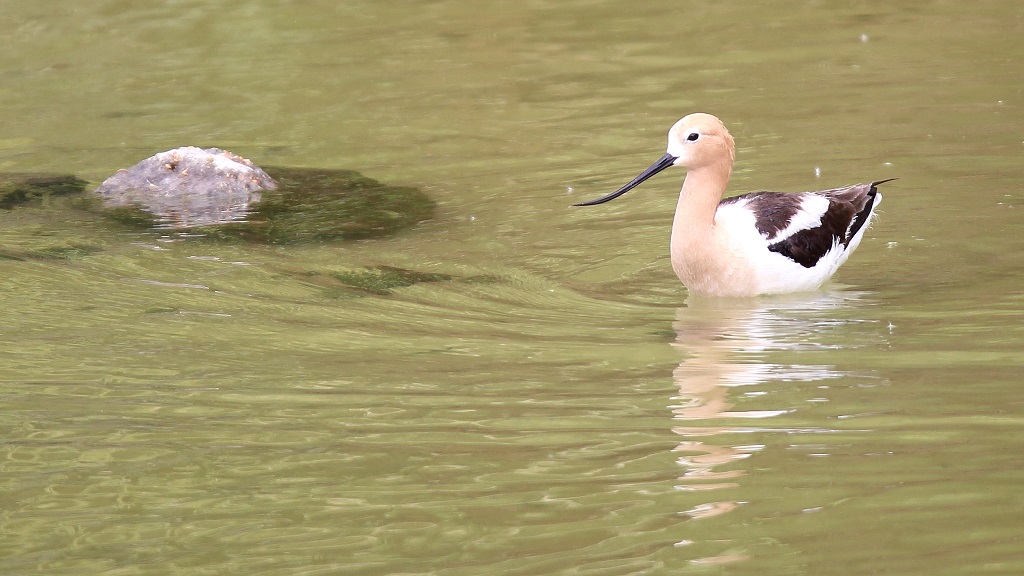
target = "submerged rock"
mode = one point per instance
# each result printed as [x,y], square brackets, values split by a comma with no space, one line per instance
[189,187]
[381,280]
[18,189]
[218,194]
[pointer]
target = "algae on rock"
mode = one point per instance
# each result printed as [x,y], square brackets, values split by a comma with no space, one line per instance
[313,204]
[16,189]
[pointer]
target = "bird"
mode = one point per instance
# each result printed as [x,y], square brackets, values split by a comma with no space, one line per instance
[757,243]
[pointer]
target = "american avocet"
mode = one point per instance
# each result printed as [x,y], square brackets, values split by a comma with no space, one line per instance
[757,243]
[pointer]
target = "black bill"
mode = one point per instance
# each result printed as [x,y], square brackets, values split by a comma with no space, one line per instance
[658,166]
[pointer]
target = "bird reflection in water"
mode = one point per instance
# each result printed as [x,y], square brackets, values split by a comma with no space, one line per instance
[726,344]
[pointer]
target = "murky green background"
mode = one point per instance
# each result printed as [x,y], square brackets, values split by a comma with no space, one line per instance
[170,406]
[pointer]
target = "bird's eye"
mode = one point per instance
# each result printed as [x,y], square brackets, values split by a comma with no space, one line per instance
[692,136]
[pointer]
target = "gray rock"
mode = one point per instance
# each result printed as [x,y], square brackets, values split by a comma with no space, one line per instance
[189,187]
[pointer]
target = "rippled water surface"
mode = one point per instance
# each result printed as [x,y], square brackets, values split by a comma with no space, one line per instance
[550,402]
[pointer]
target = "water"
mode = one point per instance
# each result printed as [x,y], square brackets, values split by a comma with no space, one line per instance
[558,406]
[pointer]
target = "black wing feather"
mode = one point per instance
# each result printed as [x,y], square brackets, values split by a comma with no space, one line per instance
[848,211]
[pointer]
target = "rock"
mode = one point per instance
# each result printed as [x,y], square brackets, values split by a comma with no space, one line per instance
[189,187]
[220,195]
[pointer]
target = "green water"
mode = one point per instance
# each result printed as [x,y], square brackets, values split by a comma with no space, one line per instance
[552,403]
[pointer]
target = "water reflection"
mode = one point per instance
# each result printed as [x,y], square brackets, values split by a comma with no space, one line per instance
[727,345]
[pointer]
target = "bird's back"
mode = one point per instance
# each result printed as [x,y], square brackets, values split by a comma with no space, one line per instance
[796,241]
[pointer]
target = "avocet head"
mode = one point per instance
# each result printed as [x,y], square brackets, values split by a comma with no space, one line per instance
[698,140]
[694,141]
